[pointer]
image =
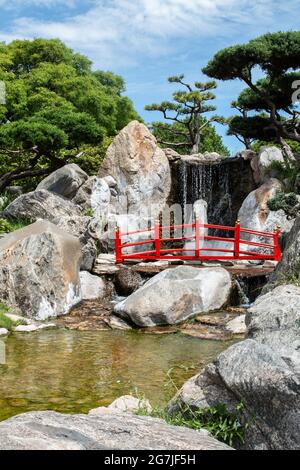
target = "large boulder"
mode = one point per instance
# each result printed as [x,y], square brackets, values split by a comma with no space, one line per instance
[254,211]
[266,157]
[141,170]
[48,430]
[262,163]
[274,320]
[94,195]
[39,270]
[176,294]
[288,270]
[261,372]
[65,181]
[279,219]
[40,204]
[89,231]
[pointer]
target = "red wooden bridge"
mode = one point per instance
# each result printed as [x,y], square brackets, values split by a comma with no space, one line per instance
[160,246]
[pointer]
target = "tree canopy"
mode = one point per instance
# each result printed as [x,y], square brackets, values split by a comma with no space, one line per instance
[55,105]
[186,112]
[267,109]
[211,141]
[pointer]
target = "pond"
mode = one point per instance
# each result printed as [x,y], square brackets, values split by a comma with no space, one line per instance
[75,371]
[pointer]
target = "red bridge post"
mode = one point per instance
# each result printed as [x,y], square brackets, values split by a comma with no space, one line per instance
[277,250]
[157,238]
[118,246]
[197,237]
[237,237]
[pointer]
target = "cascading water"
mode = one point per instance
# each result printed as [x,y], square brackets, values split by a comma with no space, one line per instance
[211,183]
[244,300]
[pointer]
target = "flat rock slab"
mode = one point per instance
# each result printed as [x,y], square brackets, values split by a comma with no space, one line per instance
[206,332]
[236,270]
[89,315]
[215,320]
[48,430]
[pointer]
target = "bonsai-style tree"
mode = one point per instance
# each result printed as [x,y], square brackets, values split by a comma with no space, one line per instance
[270,99]
[234,129]
[186,112]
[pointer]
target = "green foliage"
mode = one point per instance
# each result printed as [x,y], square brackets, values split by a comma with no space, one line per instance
[274,115]
[211,141]
[287,202]
[285,172]
[5,200]
[89,212]
[186,112]
[7,226]
[222,424]
[5,321]
[93,155]
[228,427]
[55,107]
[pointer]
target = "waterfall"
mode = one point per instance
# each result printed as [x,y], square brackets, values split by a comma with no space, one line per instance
[243,298]
[210,182]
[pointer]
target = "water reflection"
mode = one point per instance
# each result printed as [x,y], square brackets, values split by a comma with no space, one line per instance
[74,371]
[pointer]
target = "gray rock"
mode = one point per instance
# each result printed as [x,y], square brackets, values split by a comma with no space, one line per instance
[254,374]
[33,327]
[39,270]
[40,204]
[266,156]
[288,269]
[108,430]
[202,157]
[141,170]
[127,281]
[274,320]
[128,403]
[176,294]
[89,253]
[263,372]
[117,323]
[279,218]
[237,326]
[3,332]
[92,287]
[65,181]
[94,194]
[88,230]
[110,181]
[254,211]
[276,310]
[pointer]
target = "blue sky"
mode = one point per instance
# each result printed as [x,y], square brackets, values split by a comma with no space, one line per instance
[147,40]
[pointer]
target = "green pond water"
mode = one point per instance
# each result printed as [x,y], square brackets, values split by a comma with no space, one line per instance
[75,371]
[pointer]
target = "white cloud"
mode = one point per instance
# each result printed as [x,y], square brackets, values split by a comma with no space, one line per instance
[118,30]
[13,5]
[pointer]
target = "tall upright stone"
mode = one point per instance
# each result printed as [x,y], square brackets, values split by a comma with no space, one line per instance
[141,171]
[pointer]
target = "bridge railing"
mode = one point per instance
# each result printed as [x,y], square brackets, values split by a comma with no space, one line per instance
[238,250]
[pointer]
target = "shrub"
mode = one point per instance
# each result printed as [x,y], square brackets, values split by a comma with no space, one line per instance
[5,322]
[223,425]
[6,226]
[287,202]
